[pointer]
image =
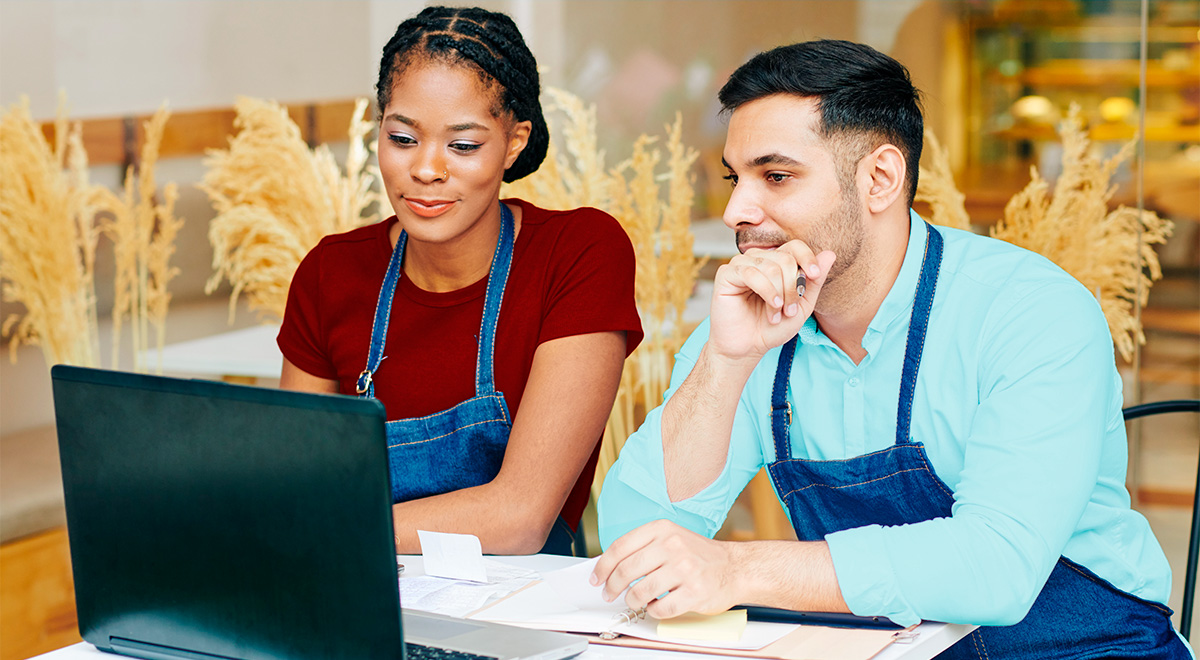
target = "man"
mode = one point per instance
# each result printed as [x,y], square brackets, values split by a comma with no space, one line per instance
[939,412]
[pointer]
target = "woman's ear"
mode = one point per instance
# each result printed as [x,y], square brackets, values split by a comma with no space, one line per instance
[886,170]
[518,137]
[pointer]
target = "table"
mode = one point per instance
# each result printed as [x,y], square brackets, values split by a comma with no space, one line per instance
[932,638]
[711,238]
[244,354]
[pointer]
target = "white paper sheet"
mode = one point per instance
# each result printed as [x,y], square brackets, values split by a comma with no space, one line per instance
[454,556]
[566,601]
[459,597]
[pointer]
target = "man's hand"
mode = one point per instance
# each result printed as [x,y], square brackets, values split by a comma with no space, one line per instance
[680,571]
[755,305]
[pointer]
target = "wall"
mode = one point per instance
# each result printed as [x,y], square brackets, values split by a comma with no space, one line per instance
[640,61]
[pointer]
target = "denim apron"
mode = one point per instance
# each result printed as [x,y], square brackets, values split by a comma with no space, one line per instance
[462,446]
[1077,614]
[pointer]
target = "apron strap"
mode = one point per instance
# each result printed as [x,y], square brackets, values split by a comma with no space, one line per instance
[917,326]
[485,379]
[501,261]
[781,410]
[383,312]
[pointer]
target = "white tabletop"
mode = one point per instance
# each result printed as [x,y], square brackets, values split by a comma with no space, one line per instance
[931,638]
[250,352]
[713,239]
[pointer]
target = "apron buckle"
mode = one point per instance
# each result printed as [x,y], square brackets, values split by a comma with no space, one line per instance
[364,382]
[789,412]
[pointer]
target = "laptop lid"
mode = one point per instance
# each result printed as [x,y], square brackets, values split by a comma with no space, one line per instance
[209,520]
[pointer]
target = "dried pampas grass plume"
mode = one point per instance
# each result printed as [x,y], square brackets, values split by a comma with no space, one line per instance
[1111,253]
[143,231]
[276,198]
[935,186]
[48,238]
[654,207]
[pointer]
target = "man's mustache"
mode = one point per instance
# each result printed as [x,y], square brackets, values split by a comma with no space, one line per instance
[759,237]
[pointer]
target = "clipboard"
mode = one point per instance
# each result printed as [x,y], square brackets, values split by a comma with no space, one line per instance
[803,642]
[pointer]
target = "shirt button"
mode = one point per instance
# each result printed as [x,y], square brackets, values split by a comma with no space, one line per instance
[853,382]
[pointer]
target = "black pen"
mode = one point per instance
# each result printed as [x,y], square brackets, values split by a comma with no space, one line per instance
[832,619]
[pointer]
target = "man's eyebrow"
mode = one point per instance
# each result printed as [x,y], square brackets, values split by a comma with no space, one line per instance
[774,159]
[767,159]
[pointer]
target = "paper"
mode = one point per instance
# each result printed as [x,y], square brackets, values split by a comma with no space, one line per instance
[454,556]
[726,626]
[572,586]
[566,601]
[460,598]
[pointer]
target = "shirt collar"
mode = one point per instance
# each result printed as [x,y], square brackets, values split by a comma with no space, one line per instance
[899,299]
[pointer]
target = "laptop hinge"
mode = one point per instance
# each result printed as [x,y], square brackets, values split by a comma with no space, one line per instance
[159,651]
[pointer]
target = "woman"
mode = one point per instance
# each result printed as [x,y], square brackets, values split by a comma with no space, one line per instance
[493,332]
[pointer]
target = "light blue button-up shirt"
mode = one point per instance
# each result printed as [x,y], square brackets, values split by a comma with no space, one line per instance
[1018,403]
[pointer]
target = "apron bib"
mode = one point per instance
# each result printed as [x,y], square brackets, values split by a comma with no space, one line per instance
[1077,614]
[464,445]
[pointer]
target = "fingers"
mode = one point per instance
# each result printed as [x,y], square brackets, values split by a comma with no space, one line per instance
[620,564]
[770,275]
[815,268]
[666,569]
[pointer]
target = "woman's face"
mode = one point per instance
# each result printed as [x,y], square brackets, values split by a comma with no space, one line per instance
[442,154]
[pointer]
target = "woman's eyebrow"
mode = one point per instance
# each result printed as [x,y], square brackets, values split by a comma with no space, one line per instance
[466,126]
[395,116]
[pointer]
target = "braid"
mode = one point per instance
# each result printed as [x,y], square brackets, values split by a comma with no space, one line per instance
[491,43]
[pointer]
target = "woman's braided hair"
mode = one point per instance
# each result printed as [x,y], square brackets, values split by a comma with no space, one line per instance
[487,41]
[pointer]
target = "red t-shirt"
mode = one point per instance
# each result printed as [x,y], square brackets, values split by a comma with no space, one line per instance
[572,273]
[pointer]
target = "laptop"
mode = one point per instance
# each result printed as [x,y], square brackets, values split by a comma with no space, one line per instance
[210,521]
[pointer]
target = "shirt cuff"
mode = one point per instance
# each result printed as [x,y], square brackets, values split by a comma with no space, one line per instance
[866,576]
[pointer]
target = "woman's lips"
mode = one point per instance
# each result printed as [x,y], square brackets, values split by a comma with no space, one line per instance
[428,208]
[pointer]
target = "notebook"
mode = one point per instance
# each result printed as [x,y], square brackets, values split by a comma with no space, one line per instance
[209,520]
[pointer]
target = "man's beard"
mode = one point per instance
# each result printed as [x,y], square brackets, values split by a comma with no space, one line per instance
[841,231]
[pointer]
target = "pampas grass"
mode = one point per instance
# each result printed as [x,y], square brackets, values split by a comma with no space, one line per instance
[653,204]
[276,198]
[49,234]
[48,238]
[1110,252]
[143,231]
[935,186]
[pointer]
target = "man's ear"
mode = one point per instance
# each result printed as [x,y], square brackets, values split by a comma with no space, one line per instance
[886,170]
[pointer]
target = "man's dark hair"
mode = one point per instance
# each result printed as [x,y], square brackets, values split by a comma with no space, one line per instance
[490,43]
[859,91]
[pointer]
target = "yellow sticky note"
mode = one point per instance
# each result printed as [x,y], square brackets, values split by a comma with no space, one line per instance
[724,627]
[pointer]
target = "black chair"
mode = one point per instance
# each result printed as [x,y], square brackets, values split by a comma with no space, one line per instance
[1189,579]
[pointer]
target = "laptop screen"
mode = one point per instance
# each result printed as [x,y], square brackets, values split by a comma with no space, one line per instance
[216,520]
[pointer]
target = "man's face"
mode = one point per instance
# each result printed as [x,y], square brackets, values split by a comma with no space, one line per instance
[785,182]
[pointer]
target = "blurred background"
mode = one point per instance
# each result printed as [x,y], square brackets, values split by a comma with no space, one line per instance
[997,77]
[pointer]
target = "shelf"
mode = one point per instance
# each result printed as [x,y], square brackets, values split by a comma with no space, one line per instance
[1106,133]
[1107,73]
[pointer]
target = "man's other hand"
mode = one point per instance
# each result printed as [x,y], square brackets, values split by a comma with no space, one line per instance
[672,571]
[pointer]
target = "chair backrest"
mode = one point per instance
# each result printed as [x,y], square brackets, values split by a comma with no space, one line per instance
[1189,579]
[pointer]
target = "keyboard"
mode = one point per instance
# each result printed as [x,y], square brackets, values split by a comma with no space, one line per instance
[420,652]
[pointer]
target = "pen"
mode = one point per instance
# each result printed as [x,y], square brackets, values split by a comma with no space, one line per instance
[800,283]
[833,619]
